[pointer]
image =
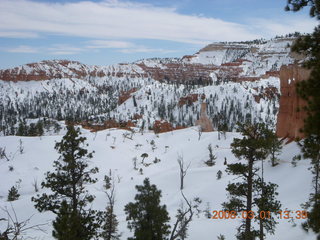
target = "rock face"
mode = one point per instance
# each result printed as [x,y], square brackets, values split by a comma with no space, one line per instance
[290,121]
[164,126]
[204,122]
[125,95]
[191,98]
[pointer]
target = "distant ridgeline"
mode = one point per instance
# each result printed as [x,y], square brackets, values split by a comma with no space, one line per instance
[236,81]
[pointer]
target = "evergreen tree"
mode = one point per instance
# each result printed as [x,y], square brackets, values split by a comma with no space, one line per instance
[13,194]
[275,147]
[251,148]
[134,101]
[69,198]
[110,227]
[311,149]
[146,216]
[21,129]
[313,219]
[39,128]
[211,162]
[267,206]
[309,91]
[62,225]
[219,174]
[32,130]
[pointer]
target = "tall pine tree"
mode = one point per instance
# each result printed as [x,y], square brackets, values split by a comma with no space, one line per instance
[309,91]
[146,216]
[251,193]
[69,197]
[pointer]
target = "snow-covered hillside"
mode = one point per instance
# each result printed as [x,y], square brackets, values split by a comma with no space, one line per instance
[255,57]
[232,102]
[240,81]
[113,151]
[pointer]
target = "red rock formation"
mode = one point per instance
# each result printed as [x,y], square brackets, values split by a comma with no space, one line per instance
[180,72]
[204,121]
[272,73]
[290,121]
[164,126]
[266,93]
[44,70]
[191,98]
[107,124]
[124,96]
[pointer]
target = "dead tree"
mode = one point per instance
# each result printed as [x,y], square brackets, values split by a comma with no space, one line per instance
[128,135]
[183,170]
[200,131]
[184,217]
[110,228]
[16,228]
[3,154]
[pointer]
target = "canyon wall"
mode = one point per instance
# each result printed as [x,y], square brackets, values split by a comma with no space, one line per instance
[290,121]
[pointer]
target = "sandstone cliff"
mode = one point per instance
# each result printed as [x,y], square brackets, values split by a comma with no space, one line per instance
[290,121]
[204,121]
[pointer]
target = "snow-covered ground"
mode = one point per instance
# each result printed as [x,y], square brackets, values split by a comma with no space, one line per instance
[113,151]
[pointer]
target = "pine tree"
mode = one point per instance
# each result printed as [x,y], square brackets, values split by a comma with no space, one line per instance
[221,237]
[69,198]
[39,128]
[311,149]
[146,216]
[13,194]
[32,130]
[219,174]
[62,224]
[134,101]
[21,129]
[309,91]
[267,206]
[275,147]
[110,227]
[211,162]
[252,147]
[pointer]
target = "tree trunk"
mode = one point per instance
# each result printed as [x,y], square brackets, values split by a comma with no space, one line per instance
[249,201]
[181,181]
[261,230]
[317,168]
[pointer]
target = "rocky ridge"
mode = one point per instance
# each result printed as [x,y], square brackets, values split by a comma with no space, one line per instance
[242,82]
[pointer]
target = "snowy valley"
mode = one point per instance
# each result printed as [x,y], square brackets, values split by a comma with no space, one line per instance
[152,112]
[113,151]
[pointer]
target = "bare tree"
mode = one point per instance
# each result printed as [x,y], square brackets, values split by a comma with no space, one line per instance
[134,160]
[21,148]
[35,185]
[16,228]
[183,170]
[3,154]
[183,218]
[128,135]
[200,131]
[110,227]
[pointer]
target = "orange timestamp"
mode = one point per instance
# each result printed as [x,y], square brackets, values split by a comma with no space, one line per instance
[286,214]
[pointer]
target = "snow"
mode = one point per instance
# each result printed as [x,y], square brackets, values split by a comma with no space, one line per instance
[39,154]
[266,56]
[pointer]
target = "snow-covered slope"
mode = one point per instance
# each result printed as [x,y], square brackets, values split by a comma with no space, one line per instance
[113,151]
[255,58]
[240,81]
[232,102]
